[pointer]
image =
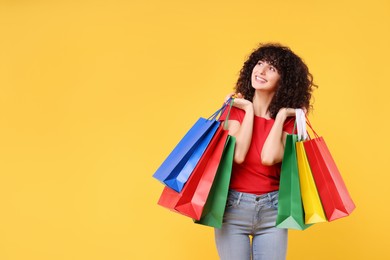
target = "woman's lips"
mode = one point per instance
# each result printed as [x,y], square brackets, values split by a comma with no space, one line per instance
[260,79]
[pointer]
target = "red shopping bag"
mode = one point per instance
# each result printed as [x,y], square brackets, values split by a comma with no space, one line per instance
[191,200]
[335,198]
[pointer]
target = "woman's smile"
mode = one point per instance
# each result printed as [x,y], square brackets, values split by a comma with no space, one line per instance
[260,79]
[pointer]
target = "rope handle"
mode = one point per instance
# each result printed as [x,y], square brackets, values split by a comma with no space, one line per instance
[225,123]
[217,114]
[309,124]
[300,119]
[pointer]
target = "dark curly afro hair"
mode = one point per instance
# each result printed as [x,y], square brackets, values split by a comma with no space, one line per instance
[295,85]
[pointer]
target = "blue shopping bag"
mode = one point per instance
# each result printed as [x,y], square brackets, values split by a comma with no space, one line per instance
[178,166]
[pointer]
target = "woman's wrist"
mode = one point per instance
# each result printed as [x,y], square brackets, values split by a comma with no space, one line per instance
[286,112]
[282,114]
[249,108]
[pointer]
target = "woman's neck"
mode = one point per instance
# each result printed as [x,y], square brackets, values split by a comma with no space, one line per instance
[261,102]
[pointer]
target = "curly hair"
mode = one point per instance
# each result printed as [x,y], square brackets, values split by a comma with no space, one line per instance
[295,84]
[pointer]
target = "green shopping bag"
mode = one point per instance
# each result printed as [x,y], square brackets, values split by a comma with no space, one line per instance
[290,209]
[216,201]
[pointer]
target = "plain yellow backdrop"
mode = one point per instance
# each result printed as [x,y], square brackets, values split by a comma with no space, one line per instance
[95,94]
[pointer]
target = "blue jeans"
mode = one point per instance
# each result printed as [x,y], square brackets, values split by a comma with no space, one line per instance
[249,215]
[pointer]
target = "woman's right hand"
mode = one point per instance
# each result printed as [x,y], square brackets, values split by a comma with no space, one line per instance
[240,102]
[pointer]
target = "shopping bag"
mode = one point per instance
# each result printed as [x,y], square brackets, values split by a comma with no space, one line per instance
[170,197]
[177,167]
[214,208]
[193,199]
[312,206]
[177,180]
[335,198]
[290,209]
[181,202]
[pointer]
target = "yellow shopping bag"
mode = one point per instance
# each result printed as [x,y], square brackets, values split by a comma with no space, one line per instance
[314,212]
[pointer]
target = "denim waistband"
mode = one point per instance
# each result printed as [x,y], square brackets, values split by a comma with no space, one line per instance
[249,197]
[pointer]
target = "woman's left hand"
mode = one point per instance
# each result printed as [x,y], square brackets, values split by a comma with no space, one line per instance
[287,112]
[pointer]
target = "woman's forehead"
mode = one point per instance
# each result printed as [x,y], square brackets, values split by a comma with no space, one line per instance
[270,60]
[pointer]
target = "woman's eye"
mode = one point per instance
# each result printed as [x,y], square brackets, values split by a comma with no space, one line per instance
[272,68]
[260,63]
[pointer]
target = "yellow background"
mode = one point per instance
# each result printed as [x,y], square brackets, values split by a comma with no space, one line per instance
[95,94]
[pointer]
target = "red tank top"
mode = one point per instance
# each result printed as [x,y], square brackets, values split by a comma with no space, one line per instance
[252,176]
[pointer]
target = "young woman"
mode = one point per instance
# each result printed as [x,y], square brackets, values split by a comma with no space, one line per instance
[272,83]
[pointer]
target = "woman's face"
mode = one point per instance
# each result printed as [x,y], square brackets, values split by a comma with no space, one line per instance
[265,77]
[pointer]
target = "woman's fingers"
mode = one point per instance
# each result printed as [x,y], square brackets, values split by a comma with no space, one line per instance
[229,96]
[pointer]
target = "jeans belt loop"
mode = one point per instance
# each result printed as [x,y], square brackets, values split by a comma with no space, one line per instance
[269,196]
[239,198]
